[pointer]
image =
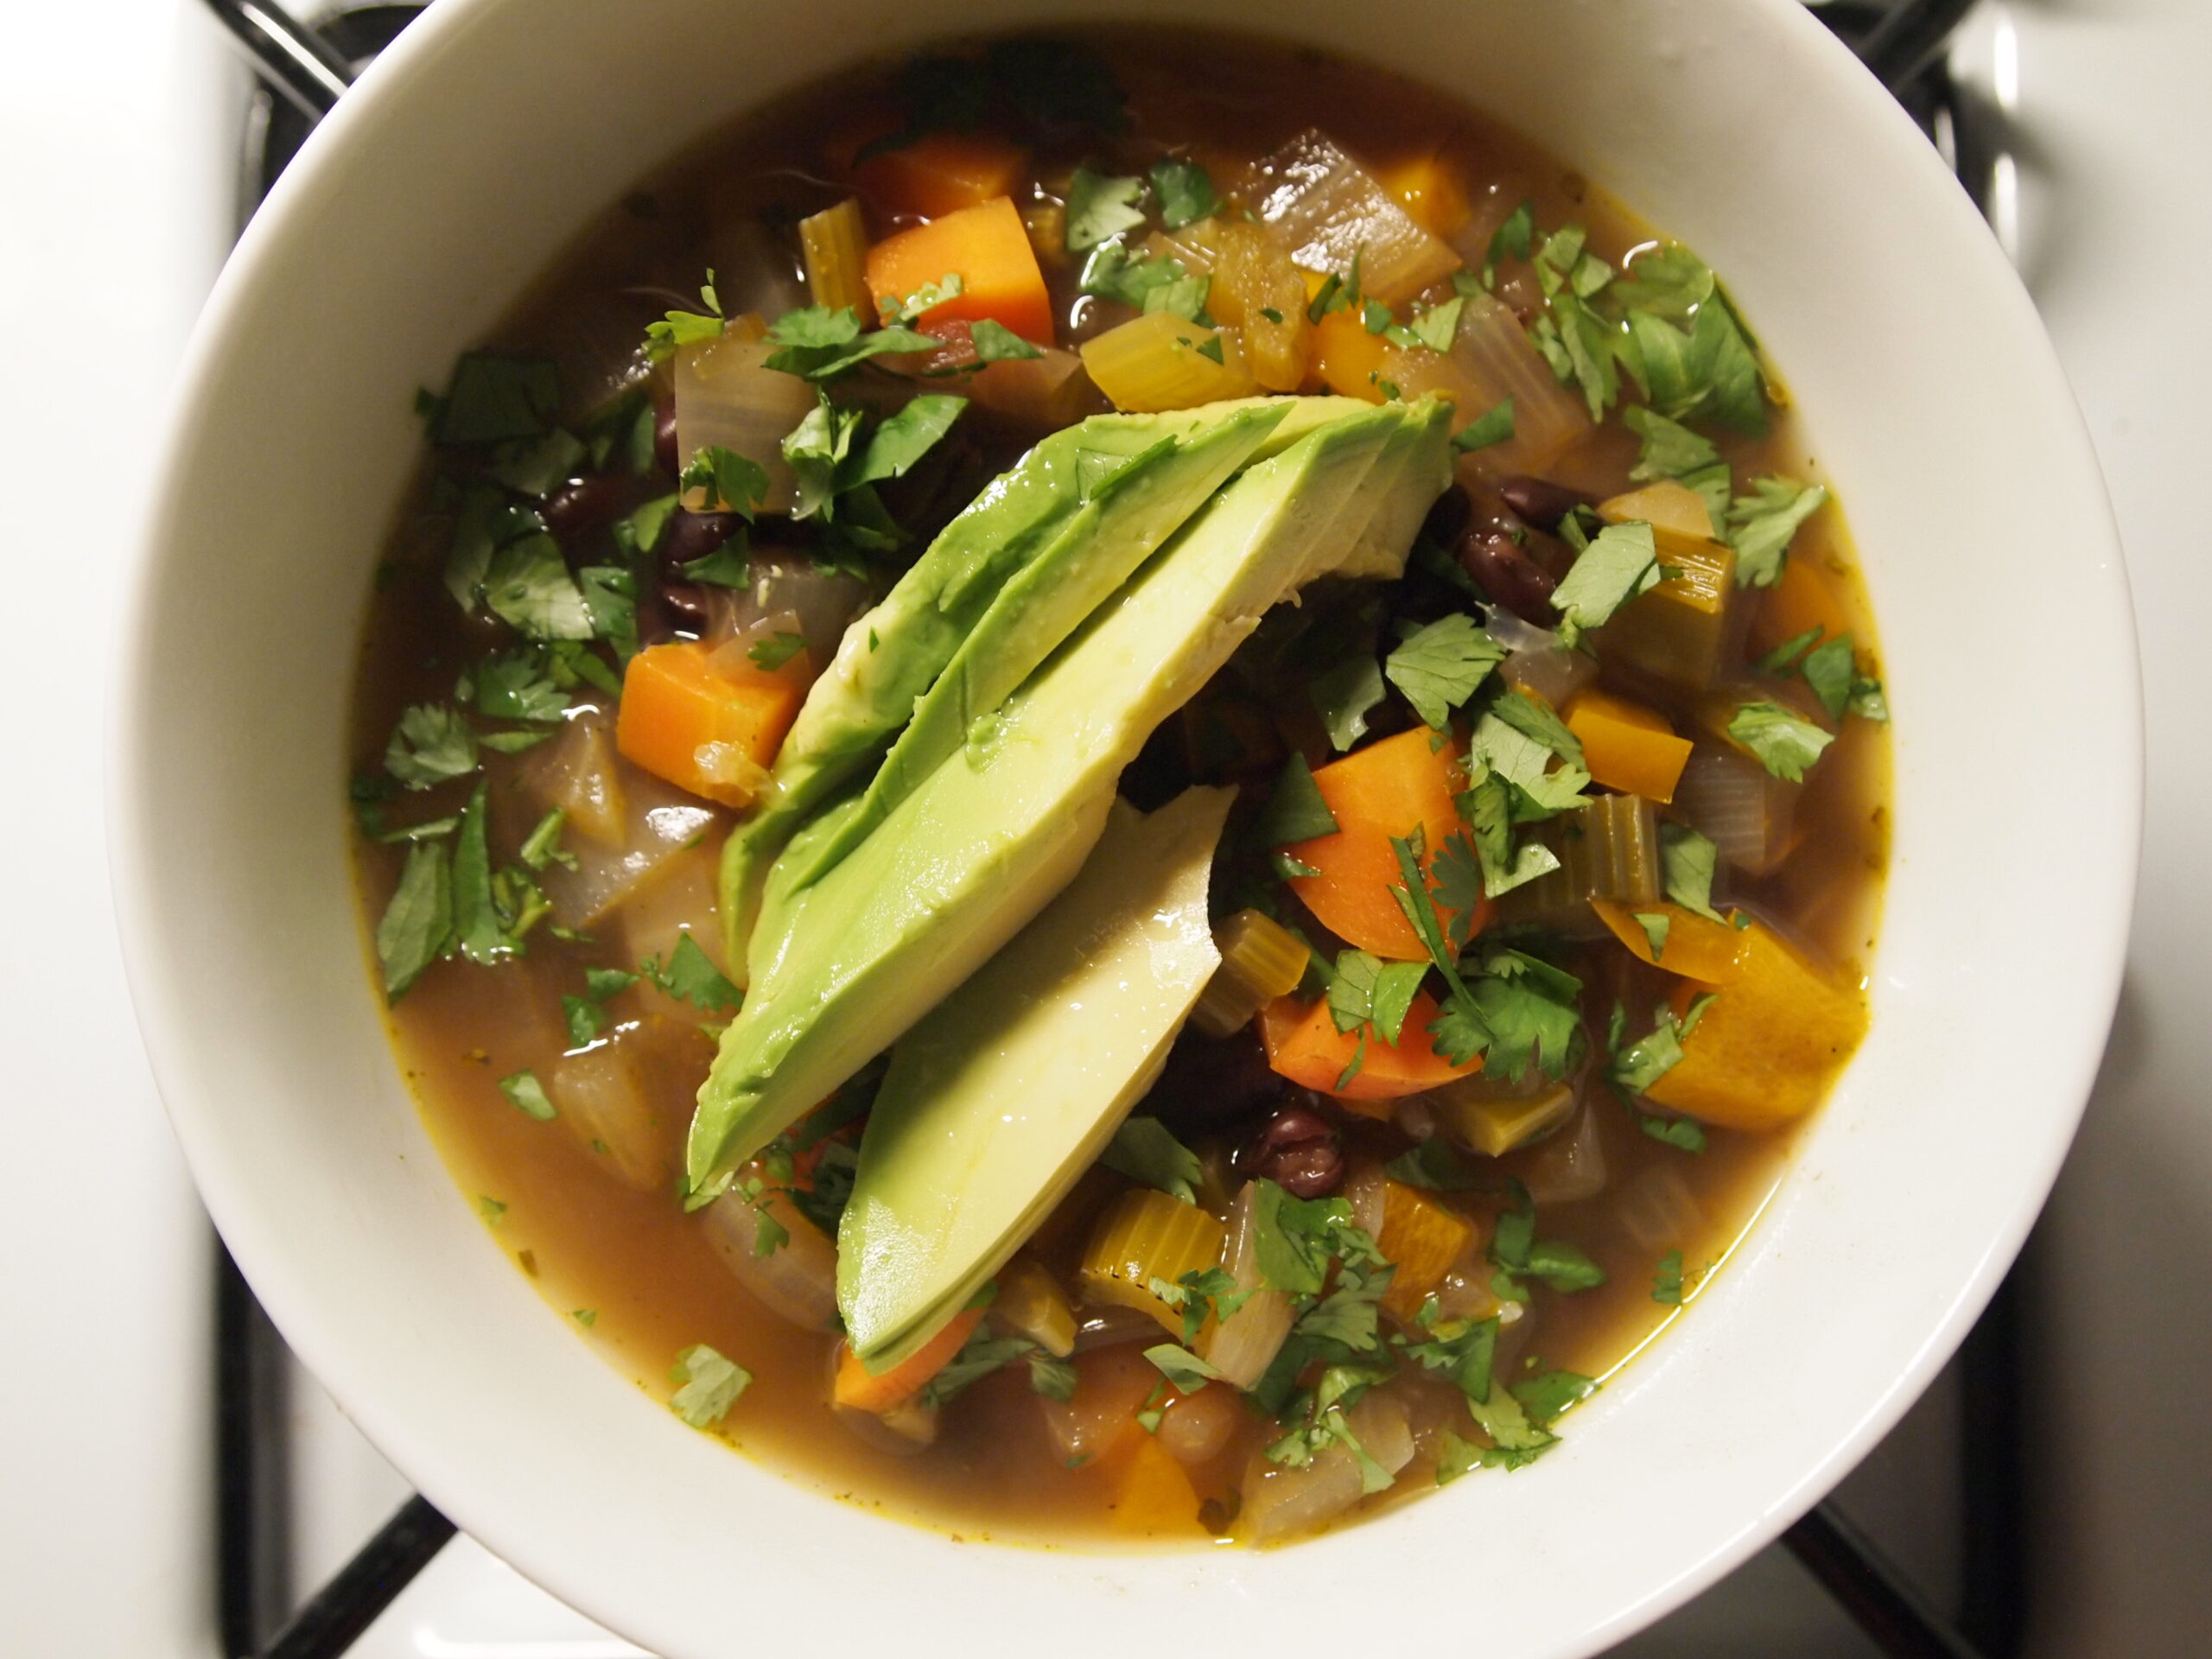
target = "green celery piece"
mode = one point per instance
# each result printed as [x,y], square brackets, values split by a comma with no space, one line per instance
[968,858]
[1070,1020]
[1097,549]
[892,656]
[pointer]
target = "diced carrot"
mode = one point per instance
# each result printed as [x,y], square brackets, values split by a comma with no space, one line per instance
[1696,947]
[1429,188]
[1152,1495]
[860,1390]
[1304,1044]
[1347,359]
[704,725]
[1626,746]
[943,173]
[1802,598]
[988,248]
[1385,789]
[1770,1043]
[1421,1238]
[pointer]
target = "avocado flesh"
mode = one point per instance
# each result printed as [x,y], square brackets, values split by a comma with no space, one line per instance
[962,863]
[999,1098]
[1097,549]
[893,655]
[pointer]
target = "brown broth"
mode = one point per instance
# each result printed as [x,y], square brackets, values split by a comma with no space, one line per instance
[628,1256]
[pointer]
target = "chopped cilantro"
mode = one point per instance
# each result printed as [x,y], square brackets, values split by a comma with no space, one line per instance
[1486,807]
[478,932]
[1524,761]
[1211,347]
[1113,273]
[516,686]
[996,343]
[418,921]
[1760,525]
[1181,1367]
[1344,695]
[1274,315]
[601,983]
[1655,924]
[691,977]
[1550,1396]
[711,1385]
[490,1208]
[1436,1164]
[1330,297]
[1783,657]
[729,565]
[512,742]
[587,1317]
[772,652]
[928,297]
[431,744]
[901,439]
[729,481]
[1667,1281]
[1786,744]
[819,343]
[1511,240]
[1621,562]
[536,465]
[1438,667]
[679,328]
[494,397]
[1294,811]
[1184,191]
[1365,991]
[1052,1377]
[584,1021]
[1455,1456]
[640,531]
[978,1357]
[528,1095]
[1494,426]
[1436,326]
[1709,372]
[1100,207]
[542,845]
[1144,1150]
[1185,297]
[528,587]
[1688,861]
[1669,281]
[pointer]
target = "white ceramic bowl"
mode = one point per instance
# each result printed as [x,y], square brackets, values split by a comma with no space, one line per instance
[457,169]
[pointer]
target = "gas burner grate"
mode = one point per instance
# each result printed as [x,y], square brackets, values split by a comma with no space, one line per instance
[302,74]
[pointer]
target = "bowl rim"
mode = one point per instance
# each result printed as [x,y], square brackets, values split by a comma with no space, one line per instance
[317,1332]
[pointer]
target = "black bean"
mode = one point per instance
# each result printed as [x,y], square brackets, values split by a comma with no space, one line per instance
[664,453]
[687,606]
[693,536]
[1502,569]
[575,508]
[1541,502]
[1299,1151]
[1211,1082]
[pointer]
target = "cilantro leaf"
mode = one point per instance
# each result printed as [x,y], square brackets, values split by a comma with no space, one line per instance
[1434,1165]
[1365,991]
[584,1021]
[536,465]
[1710,371]
[1345,695]
[1181,1367]
[1525,763]
[478,932]
[1486,807]
[1112,272]
[1052,1377]
[1100,208]
[1786,744]
[814,327]
[679,328]
[1670,449]
[1688,861]
[431,744]
[691,977]
[1563,1267]
[494,397]
[901,439]
[711,1383]
[1530,1009]
[1438,667]
[1494,426]
[817,449]
[731,482]
[820,343]
[641,531]
[1621,562]
[1511,240]
[1145,1150]
[1550,1396]
[978,1357]
[1667,281]
[417,921]
[601,983]
[1185,298]
[542,846]
[516,686]
[1455,1456]
[1293,1239]
[778,648]
[1184,191]
[528,1095]
[1667,1280]
[905,309]
[729,565]
[1761,525]
[1656,925]
[529,588]
[1294,811]
[996,343]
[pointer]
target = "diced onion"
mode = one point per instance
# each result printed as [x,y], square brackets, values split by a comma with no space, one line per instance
[907,1428]
[1659,1210]
[1553,674]
[1244,1346]
[657,822]
[603,1098]
[1748,813]
[577,774]
[755,271]
[1491,361]
[1047,391]
[725,399]
[798,1280]
[1328,210]
[1569,1166]
[1282,1503]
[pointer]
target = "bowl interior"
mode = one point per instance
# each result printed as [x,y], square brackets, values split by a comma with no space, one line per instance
[456,171]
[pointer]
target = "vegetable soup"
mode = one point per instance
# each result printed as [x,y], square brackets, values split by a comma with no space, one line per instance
[1121,789]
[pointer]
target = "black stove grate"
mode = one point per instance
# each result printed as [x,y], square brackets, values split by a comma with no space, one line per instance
[302,74]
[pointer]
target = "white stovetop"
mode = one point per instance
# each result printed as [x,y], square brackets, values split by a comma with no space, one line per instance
[118,139]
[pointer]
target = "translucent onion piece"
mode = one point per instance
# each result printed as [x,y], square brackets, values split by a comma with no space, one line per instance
[1328,209]
[725,399]
[1554,673]
[1244,1346]
[798,1280]
[908,1427]
[578,774]
[1569,1166]
[659,822]
[1364,1193]
[680,899]
[1659,1210]
[1282,1502]
[1745,810]
[754,271]
[1110,1388]
[1156,362]
[1491,361]
[1195,1427]
[1048,391]
[1466,1292]
[604,1096]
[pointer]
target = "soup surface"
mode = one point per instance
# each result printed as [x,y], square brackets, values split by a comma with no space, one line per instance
[1425,1167]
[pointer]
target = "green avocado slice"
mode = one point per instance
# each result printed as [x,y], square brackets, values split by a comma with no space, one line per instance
[891,656]
[1129,515]
[968,857]
[1003,1094]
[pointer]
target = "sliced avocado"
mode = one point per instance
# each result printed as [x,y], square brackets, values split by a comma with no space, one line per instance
[968,858]
[1005,1092]
[1125,522]
[893,655]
